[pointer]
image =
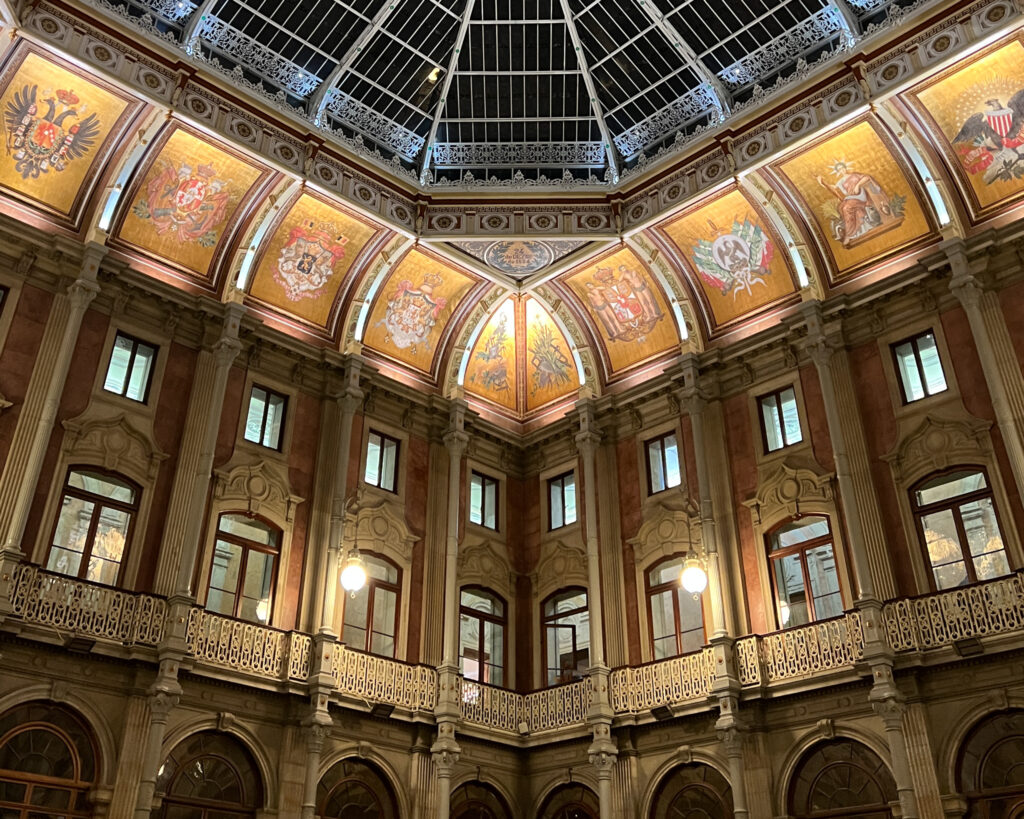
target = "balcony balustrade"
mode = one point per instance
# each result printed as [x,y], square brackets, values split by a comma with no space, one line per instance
[76,608]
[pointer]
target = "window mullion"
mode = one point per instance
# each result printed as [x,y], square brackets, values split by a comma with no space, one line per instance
[920,366]
[965,546]
[130,367]
[808,590]
[90,538]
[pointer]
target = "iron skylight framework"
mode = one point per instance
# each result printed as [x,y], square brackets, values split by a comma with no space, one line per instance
[461,90]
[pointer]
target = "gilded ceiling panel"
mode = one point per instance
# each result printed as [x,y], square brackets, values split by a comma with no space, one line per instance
[492,373]
[413,307]
[627,308]
[739,264]
[551,371]
[977,113]
[309,253]
[859,196]
[186,205]
[58,122]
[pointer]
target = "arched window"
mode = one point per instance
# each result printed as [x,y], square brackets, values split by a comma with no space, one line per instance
[675,616]
[47,763]
[209,775]
[94,526]
[371,615]
[482,622]
[959,529]
[694,791]
[571,801]
[353,789]
[841,778]
[803,567]
[566,636]
[478,800]
[245,557]
[991,769]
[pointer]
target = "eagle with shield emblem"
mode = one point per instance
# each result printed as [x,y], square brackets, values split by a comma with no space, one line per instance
[47,130]
[991,142]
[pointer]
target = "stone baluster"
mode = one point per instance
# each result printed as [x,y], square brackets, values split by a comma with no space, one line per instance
[445,749]
[39,410]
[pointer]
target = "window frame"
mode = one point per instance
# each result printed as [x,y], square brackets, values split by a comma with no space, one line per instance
[545,619]
[951,504]
[246,546]
[366,460]
[492,618]
[256,385]
[372,583]
[487,480]
[560,478]
[777,395]
[664,436]
[801,549]
[912,341]
[136,341]
[669,585]
[5,296]
[134,510]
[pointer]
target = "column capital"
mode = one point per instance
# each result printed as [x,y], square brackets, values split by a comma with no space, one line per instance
[161,703]
[603,752]
[81,292]
[456,441]
[732,737]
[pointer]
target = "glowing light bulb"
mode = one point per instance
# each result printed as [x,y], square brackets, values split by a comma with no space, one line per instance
[434,74]
[694,578]
[263,610]
[353,576]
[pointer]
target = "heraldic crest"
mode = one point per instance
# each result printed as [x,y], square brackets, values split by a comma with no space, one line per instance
[47,131]
[306,262]
[187,202]
[736,259]
[412,311]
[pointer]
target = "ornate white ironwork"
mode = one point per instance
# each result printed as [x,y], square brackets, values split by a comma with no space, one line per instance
[173,10]
[941,619]
[511,154]
[364,119]
[667,682]
[235,644]
[379,679]
[257,57]
[686,109]
[797,41]
[85,608]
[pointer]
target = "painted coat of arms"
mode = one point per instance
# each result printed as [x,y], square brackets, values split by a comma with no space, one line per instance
[306,262]
[187,202]
[47,130]
[412,311]
[736,259]
[991,142]
[861,208]
[623,302]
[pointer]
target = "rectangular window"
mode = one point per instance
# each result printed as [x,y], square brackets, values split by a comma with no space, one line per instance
[381,462]
[662,464]
[131,368]
[3,298]
[780,419]
[483,500]
[562,501]
[919,367]
[264,422]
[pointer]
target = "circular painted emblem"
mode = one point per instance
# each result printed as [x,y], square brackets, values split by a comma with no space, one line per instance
[518,257]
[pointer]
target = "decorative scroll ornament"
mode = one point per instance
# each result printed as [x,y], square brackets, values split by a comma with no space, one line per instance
[688,108]
[937,443]
[783,490]
[259,488]
[364,119]
[115,443]
[511,154]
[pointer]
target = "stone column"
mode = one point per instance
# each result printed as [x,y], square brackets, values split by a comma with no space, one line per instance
[999,363]
[820,352]
[604,767]
[186,511]
[888,703]
[445,749]
[731,738]
[695,402]
[39,412]
[317,730]
[163,698]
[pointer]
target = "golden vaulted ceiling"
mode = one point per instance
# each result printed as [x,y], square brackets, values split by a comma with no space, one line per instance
[519,319]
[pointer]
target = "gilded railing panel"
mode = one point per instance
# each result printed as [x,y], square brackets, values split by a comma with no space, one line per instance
[677,680]
[941,619]
[491,706]
[78,606]
[748,660]
[236,644]
[384,680]
[805,650]
[558,707]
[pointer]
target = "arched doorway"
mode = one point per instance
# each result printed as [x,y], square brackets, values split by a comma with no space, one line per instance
[48,763]
[991,767]
[694,791]
[209,775]
[572,801]
[354,789]
[841,778]
[478,800]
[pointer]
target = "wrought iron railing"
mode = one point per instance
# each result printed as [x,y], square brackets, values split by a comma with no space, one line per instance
[665,682]
[380,679]
[802,651]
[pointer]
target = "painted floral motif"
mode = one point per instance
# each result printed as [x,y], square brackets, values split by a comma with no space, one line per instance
[494,373]
[188,202]
[412,311]
[47,130]
[306,262]
[861,208]
[623,303]
[736,259]
[549,365]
